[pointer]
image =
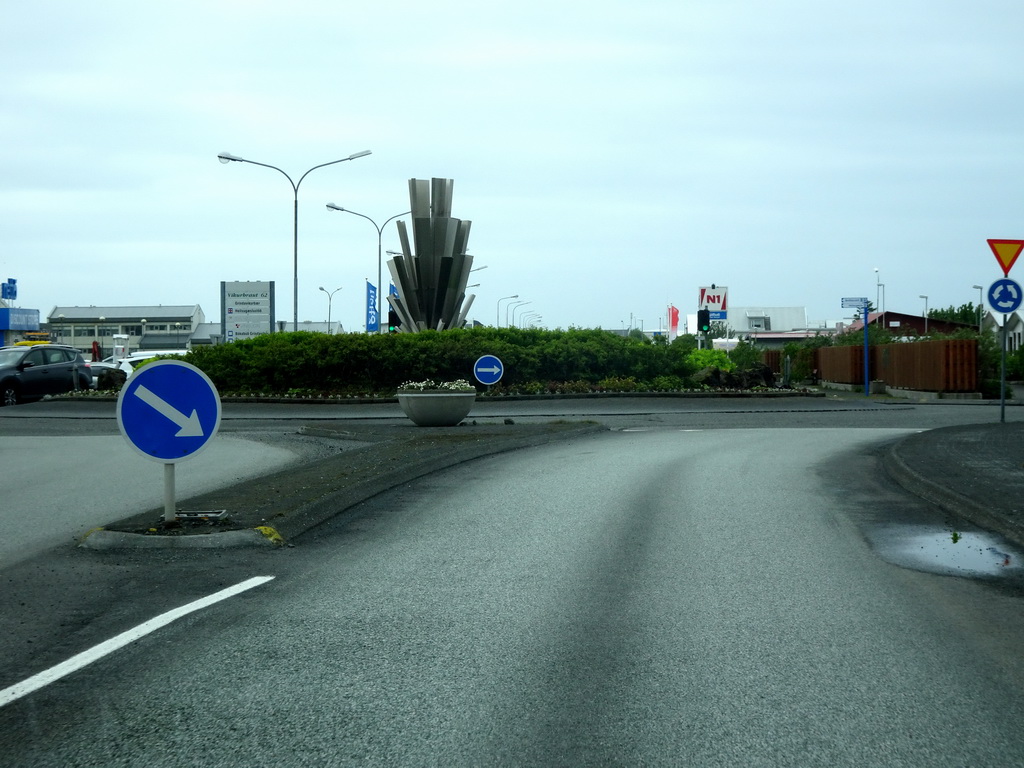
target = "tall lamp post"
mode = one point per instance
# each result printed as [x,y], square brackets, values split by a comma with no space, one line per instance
[227,157]
[330,295]
[497,319]
[922,296]
[518,305]
[508,308]
[980,289]
[879,292]
[380,234]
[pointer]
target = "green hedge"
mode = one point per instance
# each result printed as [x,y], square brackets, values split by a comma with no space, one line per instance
[360,364]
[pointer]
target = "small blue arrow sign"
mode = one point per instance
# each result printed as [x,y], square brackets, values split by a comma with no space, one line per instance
[488,370]
[168,410]
[1005,295]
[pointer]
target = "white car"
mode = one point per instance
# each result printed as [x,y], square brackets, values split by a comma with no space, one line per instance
[130,363]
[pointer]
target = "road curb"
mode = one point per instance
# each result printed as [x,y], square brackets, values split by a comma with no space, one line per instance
[900,470]
[103,539]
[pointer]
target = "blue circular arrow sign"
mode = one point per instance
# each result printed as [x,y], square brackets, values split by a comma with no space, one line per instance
[168,410]
[1005,295]
[488,369]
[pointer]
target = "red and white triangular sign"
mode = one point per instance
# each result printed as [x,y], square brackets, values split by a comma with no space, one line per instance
[1006,252]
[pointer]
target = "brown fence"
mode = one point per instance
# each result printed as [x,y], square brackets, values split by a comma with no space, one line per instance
[843,365]
[930,366]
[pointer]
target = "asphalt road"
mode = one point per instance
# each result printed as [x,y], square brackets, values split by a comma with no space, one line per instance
[653,595]
[71,471]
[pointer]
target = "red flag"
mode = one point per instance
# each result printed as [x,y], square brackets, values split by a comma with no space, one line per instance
[673,322]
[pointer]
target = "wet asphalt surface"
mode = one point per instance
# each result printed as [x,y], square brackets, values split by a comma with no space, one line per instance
[963,451]
[963,458]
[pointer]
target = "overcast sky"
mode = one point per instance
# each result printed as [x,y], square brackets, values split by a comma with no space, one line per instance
[613,156]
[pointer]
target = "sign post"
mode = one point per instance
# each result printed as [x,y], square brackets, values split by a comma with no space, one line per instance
[1004,295]
[168,411]
[715,299]
[861,303]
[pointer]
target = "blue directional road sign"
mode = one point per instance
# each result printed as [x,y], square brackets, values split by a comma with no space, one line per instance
[488,369]
[168,410]
[1005,295]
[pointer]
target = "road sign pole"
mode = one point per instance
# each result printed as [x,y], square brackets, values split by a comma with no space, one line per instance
[1002,376]
[170,514]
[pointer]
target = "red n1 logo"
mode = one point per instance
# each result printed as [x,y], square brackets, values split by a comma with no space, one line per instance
[713,297]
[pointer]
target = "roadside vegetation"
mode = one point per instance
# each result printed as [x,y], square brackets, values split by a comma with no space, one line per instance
[315,365]
[305,364]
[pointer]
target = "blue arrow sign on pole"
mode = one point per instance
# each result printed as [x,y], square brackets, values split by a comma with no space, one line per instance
[488,369]
[1004,295]
[168,410]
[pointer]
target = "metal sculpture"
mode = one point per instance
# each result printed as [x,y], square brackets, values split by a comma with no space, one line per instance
[431,279]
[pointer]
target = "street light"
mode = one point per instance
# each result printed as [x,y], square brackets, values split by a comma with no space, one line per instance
[922,296]
[497,319]
[380,232]
[227,157]
[330,295]
[980,289]
[509,306]
[518,305]
[879,291]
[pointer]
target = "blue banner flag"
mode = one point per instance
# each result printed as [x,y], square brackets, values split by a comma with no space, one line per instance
[372,321]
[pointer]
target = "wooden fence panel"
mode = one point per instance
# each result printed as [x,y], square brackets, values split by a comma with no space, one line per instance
[946,365]
[843,365]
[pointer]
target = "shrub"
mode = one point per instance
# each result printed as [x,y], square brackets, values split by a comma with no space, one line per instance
[700,359]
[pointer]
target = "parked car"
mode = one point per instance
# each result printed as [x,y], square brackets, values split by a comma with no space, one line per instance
[33,372]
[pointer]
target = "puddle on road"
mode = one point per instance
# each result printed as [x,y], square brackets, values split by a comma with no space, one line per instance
[948,552]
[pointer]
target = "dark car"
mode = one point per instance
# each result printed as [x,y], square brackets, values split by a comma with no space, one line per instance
[31,372]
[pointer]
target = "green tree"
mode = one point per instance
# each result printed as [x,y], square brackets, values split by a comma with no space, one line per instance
[745,355]
[965,313]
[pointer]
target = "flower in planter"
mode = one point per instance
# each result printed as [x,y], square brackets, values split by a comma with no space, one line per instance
[456,385]
[436,403]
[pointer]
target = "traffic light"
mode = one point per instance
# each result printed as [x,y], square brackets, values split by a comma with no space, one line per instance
[393,322]
[704,320]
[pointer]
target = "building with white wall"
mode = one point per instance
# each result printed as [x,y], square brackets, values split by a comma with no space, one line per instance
[147,328]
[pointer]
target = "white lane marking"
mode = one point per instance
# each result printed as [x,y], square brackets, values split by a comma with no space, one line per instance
[76,662]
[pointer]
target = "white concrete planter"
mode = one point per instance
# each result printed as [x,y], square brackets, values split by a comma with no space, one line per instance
[436,408]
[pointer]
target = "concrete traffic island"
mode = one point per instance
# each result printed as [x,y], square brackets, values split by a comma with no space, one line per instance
[274,509]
